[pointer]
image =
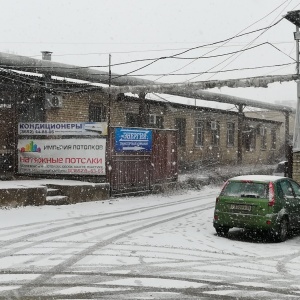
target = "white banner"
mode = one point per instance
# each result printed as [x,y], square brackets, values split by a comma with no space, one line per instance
[62,156]
[85,128]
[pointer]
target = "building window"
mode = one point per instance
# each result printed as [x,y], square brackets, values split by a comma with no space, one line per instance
[97,113]
[273,139]
[199,132]
[31,110]
[160,122]
[132,120]
[249,137]
[263,138]
[230,134]
[215,133]
[180,124]
[156,121]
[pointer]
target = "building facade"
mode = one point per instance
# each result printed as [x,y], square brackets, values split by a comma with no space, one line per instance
[206,136]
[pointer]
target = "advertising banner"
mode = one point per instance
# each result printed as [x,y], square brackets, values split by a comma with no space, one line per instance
[84,128]
[62,156]
[129,139]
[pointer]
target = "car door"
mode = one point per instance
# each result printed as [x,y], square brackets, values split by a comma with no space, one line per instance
[296,189]
[290,203]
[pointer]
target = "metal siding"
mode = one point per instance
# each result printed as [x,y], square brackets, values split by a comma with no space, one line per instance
[138,172]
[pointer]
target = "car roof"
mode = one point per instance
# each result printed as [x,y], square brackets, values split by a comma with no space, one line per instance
[257,178]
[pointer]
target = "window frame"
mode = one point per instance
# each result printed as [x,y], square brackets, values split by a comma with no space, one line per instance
[180,124]
[215,135]
[263,139]
[273,139]
[230,134]
[97,112]
[199,133]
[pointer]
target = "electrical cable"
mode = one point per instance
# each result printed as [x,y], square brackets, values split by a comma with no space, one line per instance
[267,28]
[175,55]
[153,60]
[149,50]
[212,72]
[187,51]
[225,42]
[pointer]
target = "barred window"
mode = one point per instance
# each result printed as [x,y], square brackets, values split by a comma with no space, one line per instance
[199,132]
[230,134]
[97,113]
[160,122]
[215,133]
[180,124]
[132,120]
[31,110]
[249,138]
[263,138]
[273,139]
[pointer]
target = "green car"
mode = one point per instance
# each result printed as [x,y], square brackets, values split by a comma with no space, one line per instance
[270,203]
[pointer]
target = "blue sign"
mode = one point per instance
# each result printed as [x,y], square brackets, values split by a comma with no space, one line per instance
[127,139]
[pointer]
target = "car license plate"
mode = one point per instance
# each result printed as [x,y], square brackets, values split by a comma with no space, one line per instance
[240,207]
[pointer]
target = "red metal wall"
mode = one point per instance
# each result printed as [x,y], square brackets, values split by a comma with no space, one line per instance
[135,171]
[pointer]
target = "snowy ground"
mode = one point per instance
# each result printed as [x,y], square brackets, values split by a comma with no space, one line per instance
[150,247]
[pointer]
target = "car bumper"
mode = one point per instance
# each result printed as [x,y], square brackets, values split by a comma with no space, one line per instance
[246,221]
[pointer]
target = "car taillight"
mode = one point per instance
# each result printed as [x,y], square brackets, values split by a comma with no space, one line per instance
[271,194]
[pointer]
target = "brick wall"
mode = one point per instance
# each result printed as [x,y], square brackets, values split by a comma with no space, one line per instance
[75,109]
[296,166]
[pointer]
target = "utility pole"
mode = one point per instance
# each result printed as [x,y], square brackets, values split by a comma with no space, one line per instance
[294,17]
[292,155]
[109,133]
[296,139]
[109,95]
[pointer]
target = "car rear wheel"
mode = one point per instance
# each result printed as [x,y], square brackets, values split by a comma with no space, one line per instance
[281,233]
[222,230]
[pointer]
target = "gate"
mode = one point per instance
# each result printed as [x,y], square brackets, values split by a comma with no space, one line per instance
[138,171]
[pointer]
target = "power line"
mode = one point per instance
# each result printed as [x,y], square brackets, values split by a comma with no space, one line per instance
[153,60]
[213,72]
[225,42]
[190,49]
[26,78]
[267,28]
[150,59]
[175,56]
[153,50]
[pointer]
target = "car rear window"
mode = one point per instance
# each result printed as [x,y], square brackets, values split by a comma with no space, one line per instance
[246,190]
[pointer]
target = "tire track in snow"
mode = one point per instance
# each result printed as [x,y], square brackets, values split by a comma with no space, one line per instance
[61,267]
[96,219]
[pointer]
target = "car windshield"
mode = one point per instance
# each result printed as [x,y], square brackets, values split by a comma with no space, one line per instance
[246,189]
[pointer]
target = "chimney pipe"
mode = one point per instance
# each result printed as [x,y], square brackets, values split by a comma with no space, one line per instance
[46,55]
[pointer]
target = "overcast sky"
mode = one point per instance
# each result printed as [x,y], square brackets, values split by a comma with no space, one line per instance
[84,33]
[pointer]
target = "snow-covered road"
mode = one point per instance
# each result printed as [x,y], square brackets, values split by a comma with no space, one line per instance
[151,247]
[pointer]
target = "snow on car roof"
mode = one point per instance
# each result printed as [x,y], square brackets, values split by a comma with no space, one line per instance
[261,178]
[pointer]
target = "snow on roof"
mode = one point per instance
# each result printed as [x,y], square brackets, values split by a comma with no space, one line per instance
[260,178]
